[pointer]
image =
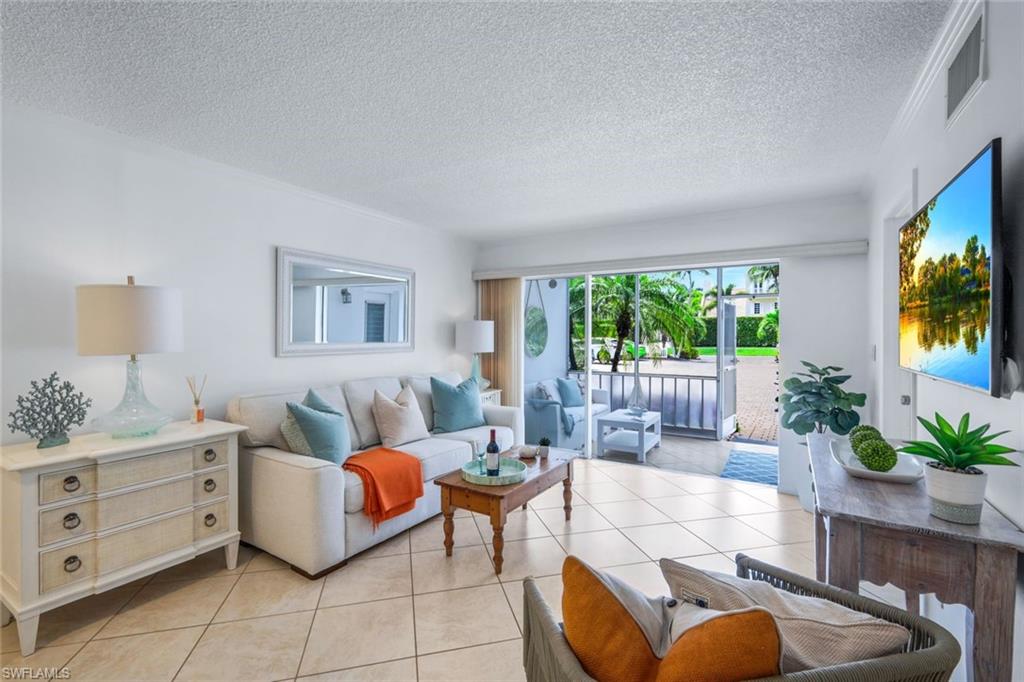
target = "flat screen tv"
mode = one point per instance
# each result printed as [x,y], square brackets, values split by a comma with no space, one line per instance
[951,278]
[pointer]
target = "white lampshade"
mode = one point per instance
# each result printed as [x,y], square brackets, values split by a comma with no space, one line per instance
[121,319]
[474,336]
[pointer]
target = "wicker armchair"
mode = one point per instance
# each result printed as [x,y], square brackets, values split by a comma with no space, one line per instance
[931,654]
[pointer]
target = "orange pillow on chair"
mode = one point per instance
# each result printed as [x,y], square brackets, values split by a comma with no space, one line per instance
[619,634]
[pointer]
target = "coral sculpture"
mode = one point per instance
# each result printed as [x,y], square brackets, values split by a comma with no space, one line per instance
[49,409]
[877,455]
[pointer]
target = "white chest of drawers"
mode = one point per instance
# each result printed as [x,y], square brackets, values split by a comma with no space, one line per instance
[100,512]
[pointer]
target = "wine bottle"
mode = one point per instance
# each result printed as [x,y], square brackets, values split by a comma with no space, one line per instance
[493,455]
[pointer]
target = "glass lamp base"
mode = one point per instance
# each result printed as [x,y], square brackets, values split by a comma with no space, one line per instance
[135,416]
[474,372]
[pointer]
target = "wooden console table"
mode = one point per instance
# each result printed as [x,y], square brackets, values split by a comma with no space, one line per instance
[883,533]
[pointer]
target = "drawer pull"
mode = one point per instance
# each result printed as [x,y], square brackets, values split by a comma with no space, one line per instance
[210,520]
[71,484]
[72,564]
[210,454]
[72,521]
[209,485]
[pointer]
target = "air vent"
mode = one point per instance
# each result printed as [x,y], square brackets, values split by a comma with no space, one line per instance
[964,72]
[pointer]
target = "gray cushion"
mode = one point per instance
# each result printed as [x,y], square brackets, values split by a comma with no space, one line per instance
[263,414]
[437,456]
[503,434]
[359,394]
[421,387]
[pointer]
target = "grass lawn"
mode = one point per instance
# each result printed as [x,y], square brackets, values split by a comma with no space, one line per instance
[743,351]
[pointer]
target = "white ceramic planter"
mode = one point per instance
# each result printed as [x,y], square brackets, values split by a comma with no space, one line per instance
[954,496]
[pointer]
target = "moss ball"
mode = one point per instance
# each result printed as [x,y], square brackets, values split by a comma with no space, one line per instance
[877,455]
[864,428]
[861,437]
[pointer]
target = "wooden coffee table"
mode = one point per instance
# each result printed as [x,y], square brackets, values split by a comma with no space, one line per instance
[497,501]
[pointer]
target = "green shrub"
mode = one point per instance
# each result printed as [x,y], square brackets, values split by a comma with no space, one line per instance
[746,333]
[877,455]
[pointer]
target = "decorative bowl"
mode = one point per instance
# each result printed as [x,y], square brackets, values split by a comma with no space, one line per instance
[907,470]
[509,471]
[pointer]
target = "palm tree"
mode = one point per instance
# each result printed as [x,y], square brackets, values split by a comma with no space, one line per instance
[766,276]
[711,297]
[667,307]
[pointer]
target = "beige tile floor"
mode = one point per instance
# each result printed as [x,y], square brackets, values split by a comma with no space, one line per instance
[404,611]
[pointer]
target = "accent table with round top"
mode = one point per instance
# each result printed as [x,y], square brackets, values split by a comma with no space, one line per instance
[497,501]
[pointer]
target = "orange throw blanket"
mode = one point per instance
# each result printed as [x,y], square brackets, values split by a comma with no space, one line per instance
[392,482]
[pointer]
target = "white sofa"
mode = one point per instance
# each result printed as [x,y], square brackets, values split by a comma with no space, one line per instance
[307,511]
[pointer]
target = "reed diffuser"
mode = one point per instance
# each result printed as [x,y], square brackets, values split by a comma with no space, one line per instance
[198,411]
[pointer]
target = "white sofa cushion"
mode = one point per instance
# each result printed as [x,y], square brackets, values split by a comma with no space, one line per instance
[437,456]
[421,387]
[400,420]
[359,394]
[264,413]
[482,434]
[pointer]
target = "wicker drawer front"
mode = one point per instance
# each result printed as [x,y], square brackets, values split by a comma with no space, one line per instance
[67,522]
[118,474]
[209,486]
[118,510]
[210,455]
[211,519]
[143,542]
[60,567]
[64,485]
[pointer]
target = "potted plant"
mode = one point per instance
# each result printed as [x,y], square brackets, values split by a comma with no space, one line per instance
[812,405]
[543,444]
[955,484]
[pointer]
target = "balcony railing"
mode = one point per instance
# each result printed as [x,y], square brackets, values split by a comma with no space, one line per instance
[688,403]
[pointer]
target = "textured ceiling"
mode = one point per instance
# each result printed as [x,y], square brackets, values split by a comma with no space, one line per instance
[491,119]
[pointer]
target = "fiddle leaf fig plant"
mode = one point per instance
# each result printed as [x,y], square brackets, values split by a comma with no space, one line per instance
[818,402]
[960,448]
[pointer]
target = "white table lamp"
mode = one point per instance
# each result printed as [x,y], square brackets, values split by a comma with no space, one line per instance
[475,336]
[124,319]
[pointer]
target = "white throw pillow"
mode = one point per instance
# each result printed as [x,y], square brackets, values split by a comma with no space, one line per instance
[815,632]
[399,421]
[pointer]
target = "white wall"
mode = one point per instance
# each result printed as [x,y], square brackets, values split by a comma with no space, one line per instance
[825,319]
[938,152]
[825,326]
[83,205]
[554,360]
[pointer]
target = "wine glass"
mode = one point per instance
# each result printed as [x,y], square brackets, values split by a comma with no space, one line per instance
[479,455]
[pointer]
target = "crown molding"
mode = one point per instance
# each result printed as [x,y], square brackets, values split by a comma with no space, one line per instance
[960,14]
[682,261]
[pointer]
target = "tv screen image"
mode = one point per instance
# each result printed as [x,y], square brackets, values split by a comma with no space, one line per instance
[947,289]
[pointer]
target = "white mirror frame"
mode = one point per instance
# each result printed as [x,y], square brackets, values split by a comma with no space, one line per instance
[287,257]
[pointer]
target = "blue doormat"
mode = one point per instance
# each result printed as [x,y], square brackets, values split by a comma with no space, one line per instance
[756,467]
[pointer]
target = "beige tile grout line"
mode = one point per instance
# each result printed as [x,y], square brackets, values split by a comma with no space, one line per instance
[206,627]
[316,609]
[123,606]
[412,602]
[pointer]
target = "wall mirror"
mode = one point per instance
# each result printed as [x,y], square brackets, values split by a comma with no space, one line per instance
[328,305]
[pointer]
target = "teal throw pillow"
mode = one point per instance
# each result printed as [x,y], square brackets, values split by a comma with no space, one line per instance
[569,389]
[317,428]
[456,407]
